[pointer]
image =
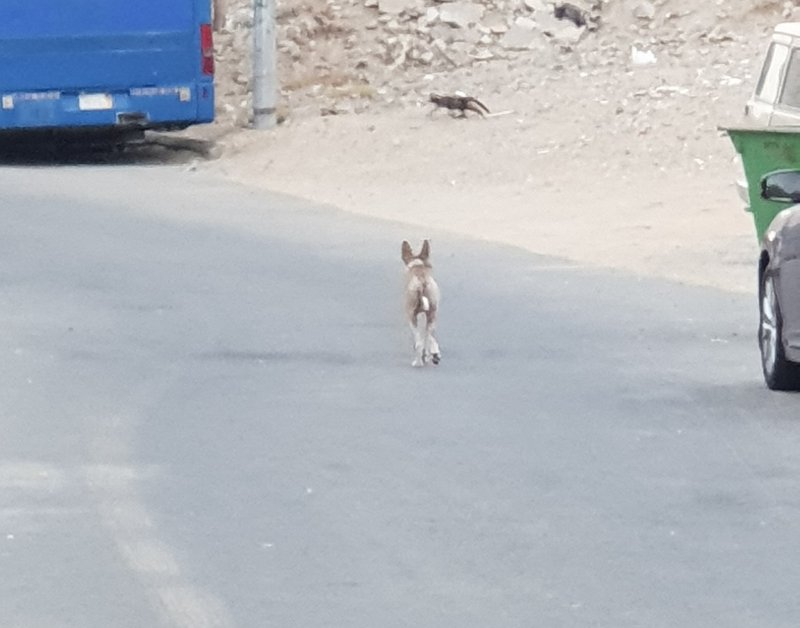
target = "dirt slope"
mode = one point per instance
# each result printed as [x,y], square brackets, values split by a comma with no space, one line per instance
[607,150]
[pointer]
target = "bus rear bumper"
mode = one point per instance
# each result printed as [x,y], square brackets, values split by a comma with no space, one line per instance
[162,107]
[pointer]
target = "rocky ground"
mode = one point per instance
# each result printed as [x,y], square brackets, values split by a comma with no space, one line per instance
[603,148]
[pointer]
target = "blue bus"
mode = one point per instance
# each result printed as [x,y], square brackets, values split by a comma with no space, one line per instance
[110,65]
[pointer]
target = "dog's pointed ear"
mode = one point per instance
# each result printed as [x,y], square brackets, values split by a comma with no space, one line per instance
[406,253]
[425,253]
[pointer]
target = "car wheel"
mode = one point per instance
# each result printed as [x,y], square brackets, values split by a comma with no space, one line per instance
[779,373]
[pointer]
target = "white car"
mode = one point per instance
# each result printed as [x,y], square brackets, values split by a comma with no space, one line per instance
[776,98]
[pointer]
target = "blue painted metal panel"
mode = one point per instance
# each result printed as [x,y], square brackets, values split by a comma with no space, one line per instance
[85,17]
[144,55]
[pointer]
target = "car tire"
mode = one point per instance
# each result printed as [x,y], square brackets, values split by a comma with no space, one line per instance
[779,373]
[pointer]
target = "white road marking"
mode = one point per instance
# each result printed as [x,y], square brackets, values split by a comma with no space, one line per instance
[188,608]
[116,486]
[31,476]
[149,557]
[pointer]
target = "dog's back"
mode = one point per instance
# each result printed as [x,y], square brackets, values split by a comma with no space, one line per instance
[422,292]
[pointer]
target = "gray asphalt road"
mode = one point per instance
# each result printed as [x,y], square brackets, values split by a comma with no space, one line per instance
[209,419]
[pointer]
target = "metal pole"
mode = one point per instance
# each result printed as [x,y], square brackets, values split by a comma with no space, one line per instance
[265,79]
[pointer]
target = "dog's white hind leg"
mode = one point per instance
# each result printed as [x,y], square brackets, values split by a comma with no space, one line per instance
[431,344]
[419,344]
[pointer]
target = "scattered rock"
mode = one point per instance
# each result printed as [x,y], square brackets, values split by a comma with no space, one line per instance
[461,14]
[569,34]
[496,23]
[443,33]
[291,48]
[326,43]
[469,35]
[571,13]
[483,55]
[396,7]
[548,23]
[536,5]
[645,11]
[521,38]
[526,23]
[561,31]
[431,16]
[719,35]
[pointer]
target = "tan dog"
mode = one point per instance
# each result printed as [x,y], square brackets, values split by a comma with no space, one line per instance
[421,297]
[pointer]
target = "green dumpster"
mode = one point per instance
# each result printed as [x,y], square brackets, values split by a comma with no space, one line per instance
[764,151]
[771,160]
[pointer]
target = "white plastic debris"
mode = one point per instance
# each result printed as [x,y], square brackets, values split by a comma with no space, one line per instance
[642,57]
[730,81]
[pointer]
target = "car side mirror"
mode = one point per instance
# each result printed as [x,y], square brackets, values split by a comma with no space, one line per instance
[781,186]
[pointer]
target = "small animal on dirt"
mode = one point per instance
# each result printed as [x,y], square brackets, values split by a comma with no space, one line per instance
[567,11]
[459,103]
[422,299]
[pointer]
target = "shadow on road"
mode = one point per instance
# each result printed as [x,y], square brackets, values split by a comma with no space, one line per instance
[59,149]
